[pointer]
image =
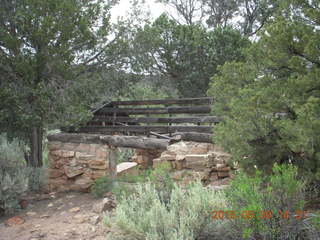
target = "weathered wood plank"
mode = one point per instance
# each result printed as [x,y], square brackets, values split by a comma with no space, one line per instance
[193,136]
[203,100]
[116,141]
[168,110]
[144,129]
[205,119]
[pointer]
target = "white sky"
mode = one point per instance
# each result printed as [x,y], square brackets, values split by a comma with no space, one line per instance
[123,7]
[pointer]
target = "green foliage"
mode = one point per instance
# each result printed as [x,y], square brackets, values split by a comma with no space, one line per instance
[270,102]
[281,193]
[160,220]
[124,154]
[186,55]
[101,186]
[47,52]
[15,177]
[12,186]
[159,176]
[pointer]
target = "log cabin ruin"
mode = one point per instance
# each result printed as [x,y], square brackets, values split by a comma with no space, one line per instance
[175,131]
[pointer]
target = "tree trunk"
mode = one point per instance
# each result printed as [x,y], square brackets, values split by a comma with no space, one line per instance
[36,147]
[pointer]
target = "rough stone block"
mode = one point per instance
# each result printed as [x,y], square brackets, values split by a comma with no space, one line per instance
[55,173]
[223,174]
[95,174]
[72,172]
[69,146]
[196,161]
[168,157]
[199,148]
[127,168]
[179,148]
[82,147]
[98,164]
[63,153]
[52,146]
[224,169]
[102,153]
[82,183]
[179,165]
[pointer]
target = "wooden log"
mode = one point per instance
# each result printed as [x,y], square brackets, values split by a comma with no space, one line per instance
[169,110]
[203,100]
[143,129]
[117,141]
[112,159]
[202,119]
[192,136]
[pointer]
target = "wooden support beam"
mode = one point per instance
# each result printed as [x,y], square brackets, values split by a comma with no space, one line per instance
[200,119]
[142,129]
[170,110]
[193,136]
[116,141]
[112,159]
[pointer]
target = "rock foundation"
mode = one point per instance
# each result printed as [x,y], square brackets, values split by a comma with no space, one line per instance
[76,166]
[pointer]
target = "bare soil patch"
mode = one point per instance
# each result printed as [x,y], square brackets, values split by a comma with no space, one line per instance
[56,216]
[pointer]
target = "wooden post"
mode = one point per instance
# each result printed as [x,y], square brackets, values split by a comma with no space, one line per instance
[112,163]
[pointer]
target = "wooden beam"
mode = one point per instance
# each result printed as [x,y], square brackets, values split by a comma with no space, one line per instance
[204,119]
[116,141]
[204,100]
[169,110]
[142,129]
[192,136]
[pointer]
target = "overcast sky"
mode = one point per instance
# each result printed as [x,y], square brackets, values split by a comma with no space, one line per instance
[120,10]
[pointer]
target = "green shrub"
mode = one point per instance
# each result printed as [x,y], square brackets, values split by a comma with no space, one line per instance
[160,177]
[12,186]
[124,154]
[15,177]
[280,194]
[101,186]
[186,216]
[37,178]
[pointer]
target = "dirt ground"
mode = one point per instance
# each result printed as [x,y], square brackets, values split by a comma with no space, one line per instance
[62,216]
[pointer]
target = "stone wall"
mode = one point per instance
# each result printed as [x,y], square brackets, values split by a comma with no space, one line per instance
[189,161]
[76,166]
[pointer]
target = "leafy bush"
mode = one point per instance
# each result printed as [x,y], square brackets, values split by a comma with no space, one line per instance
[162,180]
[124,154]
[185,216]
[12,185]
[274,203]
[13,174]
[101,186]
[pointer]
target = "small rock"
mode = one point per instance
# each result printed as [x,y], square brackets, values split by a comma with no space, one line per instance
[31,213]
[50,205]
[106,204]
[14,221]
[75,209]
[95,220]
[45,216]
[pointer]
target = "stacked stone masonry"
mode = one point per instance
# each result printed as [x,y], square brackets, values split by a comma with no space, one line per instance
[189,161]
[75,167]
